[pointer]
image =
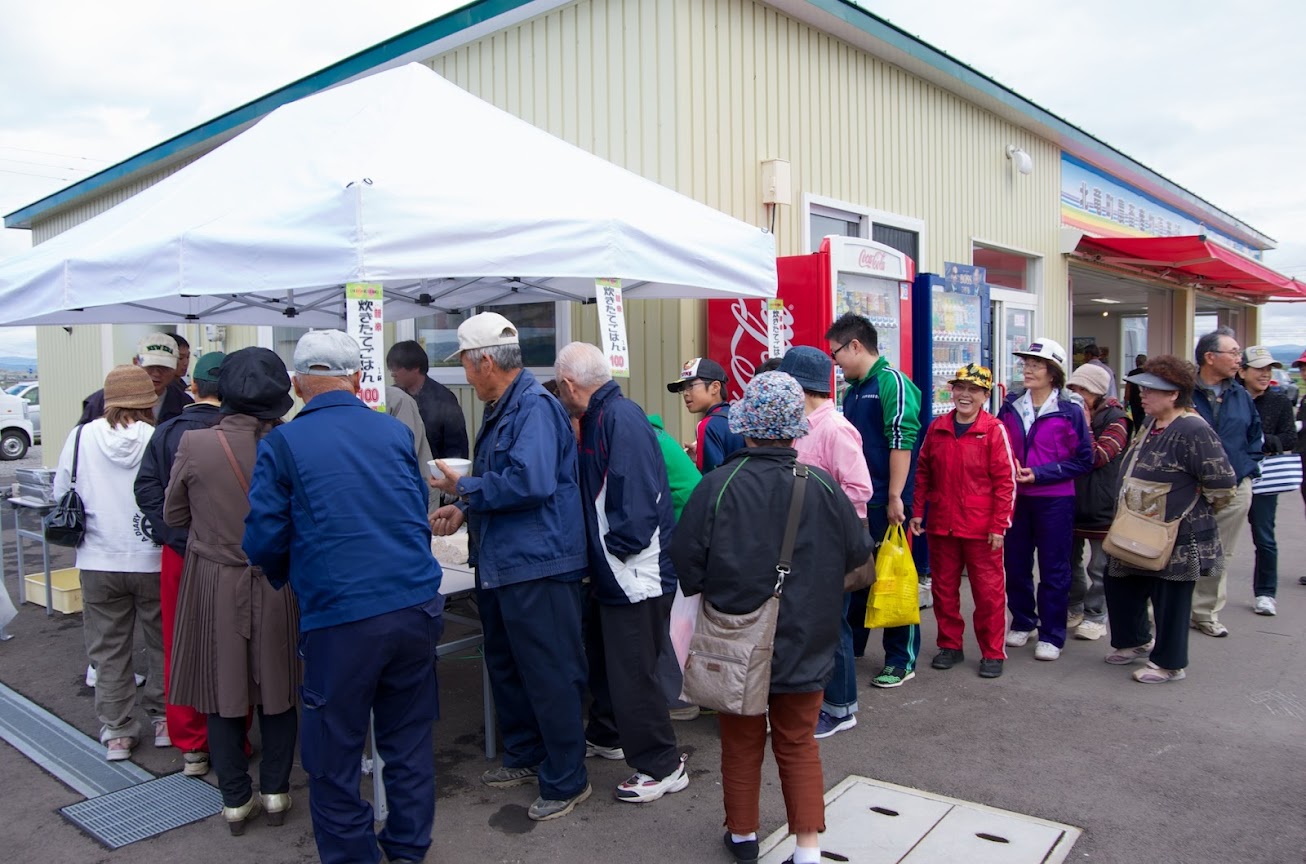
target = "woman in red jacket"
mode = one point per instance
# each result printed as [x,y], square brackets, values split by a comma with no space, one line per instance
[966,475]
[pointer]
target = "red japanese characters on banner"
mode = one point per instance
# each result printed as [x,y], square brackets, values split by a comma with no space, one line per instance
[363,320]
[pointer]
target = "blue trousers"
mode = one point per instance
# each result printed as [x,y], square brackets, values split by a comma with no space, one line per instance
[1045,526]
[536,659]
[383,667]
[841,692]
[902,645]
[1265,578]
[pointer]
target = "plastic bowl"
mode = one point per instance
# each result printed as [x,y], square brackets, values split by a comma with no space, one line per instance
[460,466]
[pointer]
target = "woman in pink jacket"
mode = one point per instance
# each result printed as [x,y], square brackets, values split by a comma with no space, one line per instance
[966,475]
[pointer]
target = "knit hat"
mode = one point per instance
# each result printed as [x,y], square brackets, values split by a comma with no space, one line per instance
[810,367]
[1092,378]
[975,374]
[254,381]
[771,410]
[128,387]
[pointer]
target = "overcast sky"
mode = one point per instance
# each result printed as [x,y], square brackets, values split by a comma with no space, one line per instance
[1210,94]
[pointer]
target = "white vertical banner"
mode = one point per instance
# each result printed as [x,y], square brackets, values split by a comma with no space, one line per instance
[363,321]
[612,326]
[775,327]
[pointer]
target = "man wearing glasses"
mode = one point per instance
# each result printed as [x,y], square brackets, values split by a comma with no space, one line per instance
[1224,403]
[885,406]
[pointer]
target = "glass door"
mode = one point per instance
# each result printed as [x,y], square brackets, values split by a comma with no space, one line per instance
[1012,330]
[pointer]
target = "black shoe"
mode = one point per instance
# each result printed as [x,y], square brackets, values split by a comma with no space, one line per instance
[745,851]
[947,658]
[990,668]
[1301,580]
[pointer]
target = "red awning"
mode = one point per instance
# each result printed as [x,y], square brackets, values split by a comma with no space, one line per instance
[1195,261]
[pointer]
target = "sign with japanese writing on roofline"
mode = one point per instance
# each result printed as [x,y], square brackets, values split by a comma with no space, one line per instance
[612,326]
[363,321]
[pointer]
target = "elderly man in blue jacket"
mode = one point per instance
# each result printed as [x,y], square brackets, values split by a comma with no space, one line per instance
[338,509]
[629,518]
[527,543]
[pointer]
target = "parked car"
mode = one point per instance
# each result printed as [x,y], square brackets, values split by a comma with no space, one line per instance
[16,432]
[30,392]
[1282,378]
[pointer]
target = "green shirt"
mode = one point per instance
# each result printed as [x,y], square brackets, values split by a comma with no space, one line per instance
[681,472]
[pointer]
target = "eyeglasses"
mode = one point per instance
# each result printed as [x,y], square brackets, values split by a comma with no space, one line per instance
[1232,352]
[834,355]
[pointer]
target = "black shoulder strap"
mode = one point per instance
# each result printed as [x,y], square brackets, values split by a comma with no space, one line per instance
[77,449]
[791,529]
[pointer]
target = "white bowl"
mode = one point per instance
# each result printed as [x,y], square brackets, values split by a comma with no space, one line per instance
[459,466]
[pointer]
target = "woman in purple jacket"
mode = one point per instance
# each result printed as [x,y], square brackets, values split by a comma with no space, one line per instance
[1048,428]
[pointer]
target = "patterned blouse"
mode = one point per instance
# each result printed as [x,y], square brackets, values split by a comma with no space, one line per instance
[1183,461]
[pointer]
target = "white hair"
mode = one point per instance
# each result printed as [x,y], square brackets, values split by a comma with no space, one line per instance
[584,364]
[506,357]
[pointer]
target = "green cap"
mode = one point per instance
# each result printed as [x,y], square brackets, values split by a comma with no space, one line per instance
[209,366]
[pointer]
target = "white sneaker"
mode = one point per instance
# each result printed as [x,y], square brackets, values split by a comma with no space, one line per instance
[925,593]
[1046,651]
[641,788]
[1265,606]
[1090,630]
[91,676]
[1018,638]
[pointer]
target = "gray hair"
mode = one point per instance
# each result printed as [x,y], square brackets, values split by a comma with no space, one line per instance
[1210,342]
[506,357]
[584,364]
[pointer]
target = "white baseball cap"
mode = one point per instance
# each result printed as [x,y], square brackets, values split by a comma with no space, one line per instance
[1046,349]
[486,330]
[156,349]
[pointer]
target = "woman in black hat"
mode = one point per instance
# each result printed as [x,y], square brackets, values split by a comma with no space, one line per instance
[236,634]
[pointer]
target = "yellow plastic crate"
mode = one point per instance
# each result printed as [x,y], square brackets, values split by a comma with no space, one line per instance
[66,589]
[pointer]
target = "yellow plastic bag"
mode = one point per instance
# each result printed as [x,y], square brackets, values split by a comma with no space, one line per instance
[893,601]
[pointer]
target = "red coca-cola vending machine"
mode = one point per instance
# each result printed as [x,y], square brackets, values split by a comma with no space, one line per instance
[847,274]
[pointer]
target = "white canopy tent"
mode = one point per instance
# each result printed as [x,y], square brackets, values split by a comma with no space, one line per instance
[400,178]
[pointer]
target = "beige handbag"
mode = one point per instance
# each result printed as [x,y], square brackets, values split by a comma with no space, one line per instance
[729,664]
[1142,542]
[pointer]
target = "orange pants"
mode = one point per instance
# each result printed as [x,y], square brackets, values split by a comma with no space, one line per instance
[797,755]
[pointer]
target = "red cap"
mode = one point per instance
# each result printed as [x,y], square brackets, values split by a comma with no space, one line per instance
[1300,360]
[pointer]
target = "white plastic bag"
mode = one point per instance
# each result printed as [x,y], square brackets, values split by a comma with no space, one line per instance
[8,612]
[684,616]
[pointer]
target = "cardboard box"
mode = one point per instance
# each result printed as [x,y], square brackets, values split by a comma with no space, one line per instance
[66,589]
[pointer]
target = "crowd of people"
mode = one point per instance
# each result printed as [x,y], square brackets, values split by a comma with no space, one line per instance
[240,547]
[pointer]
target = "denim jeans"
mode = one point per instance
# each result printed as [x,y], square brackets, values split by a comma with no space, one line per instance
[1086,592]
[841,692]
[1265,578]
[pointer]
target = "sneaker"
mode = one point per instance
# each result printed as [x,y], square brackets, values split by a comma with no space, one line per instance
[827,724]
[614,753]
[1211,628]
[892,676]
[1265,606]
[1090,630]
[745,851]
[1125,656]
[689,712]
[1046,651]
[1074,619]
[947,658]
[1018,638]
[990,667]
[545,809]
[91,676]
[1154,674]
[503,776]
[161,737]
[641,788]
[925,593]
[118,749]
[195,763]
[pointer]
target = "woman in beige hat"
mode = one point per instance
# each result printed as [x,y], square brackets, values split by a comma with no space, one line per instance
[119,563]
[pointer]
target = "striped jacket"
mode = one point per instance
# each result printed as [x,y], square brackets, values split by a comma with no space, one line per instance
[885,406]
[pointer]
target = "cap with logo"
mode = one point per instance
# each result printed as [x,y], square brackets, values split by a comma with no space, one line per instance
[328,353]
[486,330]
[697,369]
[1046,349]
[209,366]
[1258,357]
[157,349]
[971,373]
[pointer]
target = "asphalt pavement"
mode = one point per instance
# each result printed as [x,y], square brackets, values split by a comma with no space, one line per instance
[1209,769]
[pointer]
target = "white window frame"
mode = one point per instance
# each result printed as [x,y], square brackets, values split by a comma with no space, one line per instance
[454,376]
[821,205]
[1034,271]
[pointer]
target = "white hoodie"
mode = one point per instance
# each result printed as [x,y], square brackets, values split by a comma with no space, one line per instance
[106,475]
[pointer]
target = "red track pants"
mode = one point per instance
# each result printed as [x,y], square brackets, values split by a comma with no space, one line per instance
[188,728]
[988,586]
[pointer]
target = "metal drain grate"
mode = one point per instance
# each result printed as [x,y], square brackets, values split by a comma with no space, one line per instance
[143,811]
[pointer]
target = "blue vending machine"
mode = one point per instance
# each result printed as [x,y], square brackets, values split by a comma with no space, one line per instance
[950,314]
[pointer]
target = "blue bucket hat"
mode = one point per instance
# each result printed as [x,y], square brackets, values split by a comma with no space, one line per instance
[810,367]
[771,410]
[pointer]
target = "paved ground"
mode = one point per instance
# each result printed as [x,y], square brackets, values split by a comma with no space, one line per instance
[1211,769]
[9,469]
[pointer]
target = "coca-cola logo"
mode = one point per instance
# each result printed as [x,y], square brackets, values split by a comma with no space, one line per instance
[872,259]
